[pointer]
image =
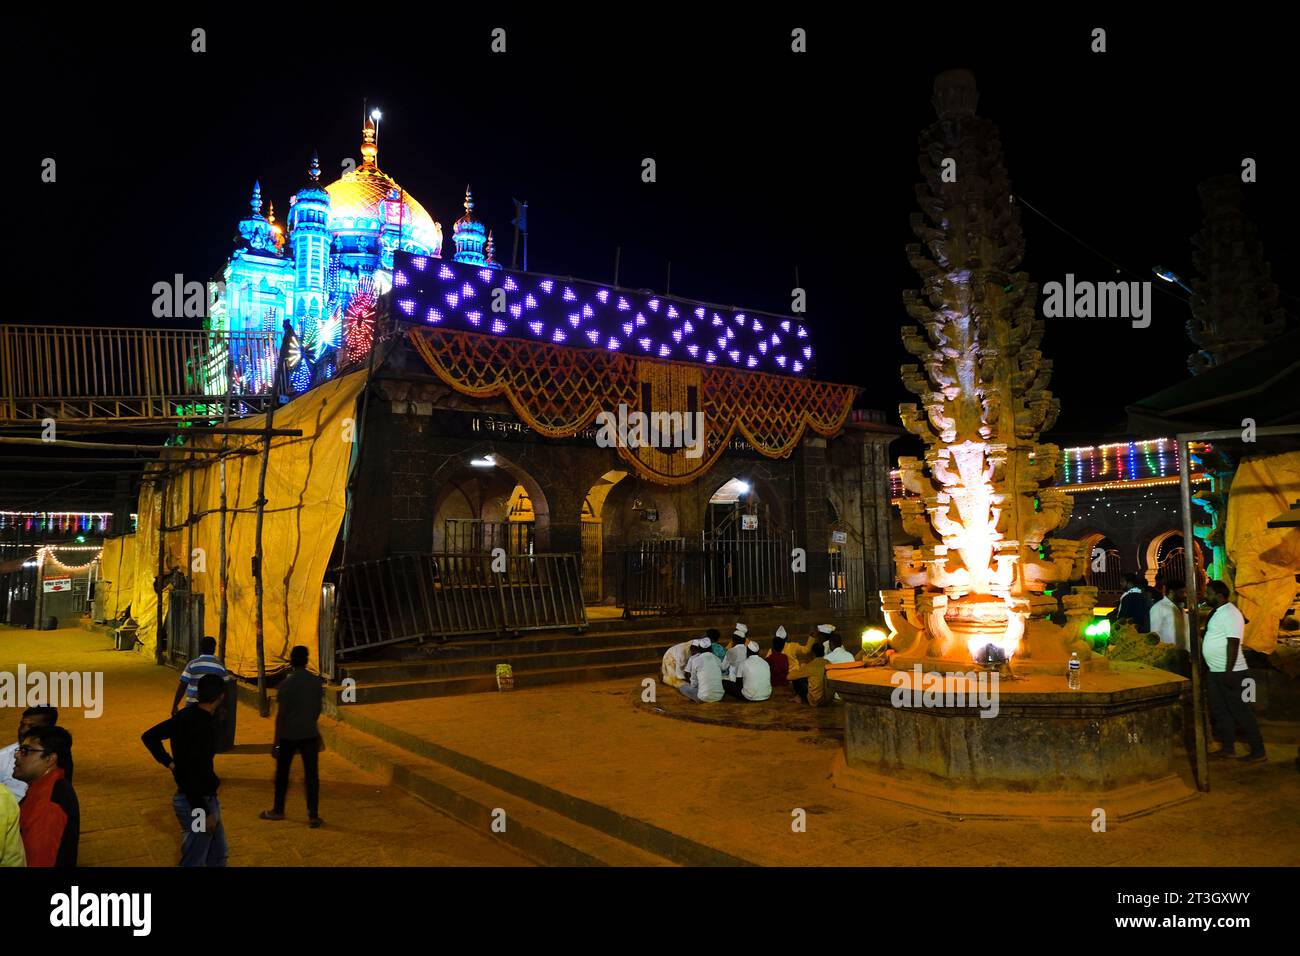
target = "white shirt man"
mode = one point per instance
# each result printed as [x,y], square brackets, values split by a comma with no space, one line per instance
[705,673]
[1226,623]
[736,653]
[1167,621]
[674,667]
[755,675]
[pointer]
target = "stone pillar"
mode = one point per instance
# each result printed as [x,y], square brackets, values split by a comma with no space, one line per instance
[808,518]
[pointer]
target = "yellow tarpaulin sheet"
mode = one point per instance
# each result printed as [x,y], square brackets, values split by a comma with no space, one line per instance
[1266,559]
[306,482]
[117,575]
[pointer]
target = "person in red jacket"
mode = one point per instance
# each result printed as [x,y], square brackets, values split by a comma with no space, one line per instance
[49,818]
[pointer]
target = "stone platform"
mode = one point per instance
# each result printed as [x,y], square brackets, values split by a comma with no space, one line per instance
[783,711]
[1049,753]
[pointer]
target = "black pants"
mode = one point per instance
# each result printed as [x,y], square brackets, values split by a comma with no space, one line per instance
[310,750]
[732,688]
[1231,713]
[800,685]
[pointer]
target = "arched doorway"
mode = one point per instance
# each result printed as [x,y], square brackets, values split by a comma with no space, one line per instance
[1104,567]
[486,504]
[747,546]
[1166,561]
[621,513]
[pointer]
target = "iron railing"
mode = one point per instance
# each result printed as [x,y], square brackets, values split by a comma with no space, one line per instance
[476,536]
[415,597]
[87,374]
[736,570]
[846,589]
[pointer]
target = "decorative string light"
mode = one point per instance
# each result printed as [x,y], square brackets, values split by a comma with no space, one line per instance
[60,521]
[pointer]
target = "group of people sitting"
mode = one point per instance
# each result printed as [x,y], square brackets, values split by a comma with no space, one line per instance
[705,671]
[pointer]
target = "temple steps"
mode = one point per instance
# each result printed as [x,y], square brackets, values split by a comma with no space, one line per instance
[535,831]
[432,670]
[555,827]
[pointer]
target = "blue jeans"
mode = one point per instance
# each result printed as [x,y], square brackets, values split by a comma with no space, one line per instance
[205,848]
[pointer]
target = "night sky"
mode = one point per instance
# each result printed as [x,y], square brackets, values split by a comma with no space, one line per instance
[767,161]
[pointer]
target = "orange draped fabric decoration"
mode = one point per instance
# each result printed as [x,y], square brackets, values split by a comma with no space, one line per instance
[559,391]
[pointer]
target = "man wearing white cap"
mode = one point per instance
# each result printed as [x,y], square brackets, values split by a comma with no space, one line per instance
[705,674]
[754,682]
[736,654]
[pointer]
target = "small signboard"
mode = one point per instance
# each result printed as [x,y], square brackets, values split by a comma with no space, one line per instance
[749,522]
[840,537]
[58,584]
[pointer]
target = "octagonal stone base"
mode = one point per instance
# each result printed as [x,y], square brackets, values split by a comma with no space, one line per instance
[1049,754]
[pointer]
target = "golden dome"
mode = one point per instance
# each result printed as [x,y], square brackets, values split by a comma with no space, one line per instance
[359,193]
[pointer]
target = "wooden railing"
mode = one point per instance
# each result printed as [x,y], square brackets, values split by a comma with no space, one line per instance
[71,373]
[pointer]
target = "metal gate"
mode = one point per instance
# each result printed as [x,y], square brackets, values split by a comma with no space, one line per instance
[746,568]
[476,536]
[184,626]
[846,588]
[593,560]
[417,596]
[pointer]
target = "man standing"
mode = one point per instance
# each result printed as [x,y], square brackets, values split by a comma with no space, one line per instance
[205,663]
[1166,618]
[297,708]
[193,733]
[1225,658]
[705,674]
[1133,605]
[50,817]
[32,717]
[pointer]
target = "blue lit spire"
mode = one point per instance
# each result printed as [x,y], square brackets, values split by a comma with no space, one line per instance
[469,235]
[310,240]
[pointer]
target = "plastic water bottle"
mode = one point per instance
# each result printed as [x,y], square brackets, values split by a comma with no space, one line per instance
[1073,679]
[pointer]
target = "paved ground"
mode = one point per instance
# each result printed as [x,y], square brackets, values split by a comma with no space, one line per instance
[735,789]
[126,816]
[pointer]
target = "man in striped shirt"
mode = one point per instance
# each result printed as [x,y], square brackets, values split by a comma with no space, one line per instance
[205,663]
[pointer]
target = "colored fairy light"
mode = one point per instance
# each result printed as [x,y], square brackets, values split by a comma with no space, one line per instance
[710,357]
[762,347]
[690,329]
[536,327]
[640,320]
[717,319]
[420,262]
[511,285]
[452,299]
[498,326]
[735,355]
[612,344]
[664,351]
[798,366]
[731,334]
[627,328]
[781,360]
[785,325]
[807,352]
[694,350]
[530,301]
[603,295]
[399,278]
[623,304]
[575,319]
[593,336]
[467,291]
[547,285]
[433,316]
[699,314]
[751,361]
[654,305]
[569,295]
[446,273]
[558,335]
[475,316]
[645,343]
[757,326]
[672,311]
[485,275]
[407,306]
[677,336]
[722,341]
[776,339]
[516,310]
[587,311]
[740,318]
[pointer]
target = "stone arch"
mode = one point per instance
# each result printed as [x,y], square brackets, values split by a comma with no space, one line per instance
[1163,542]
[500,493]
[747,493]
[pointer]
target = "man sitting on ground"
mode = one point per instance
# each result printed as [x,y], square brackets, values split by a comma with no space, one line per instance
[835,652]
[715,645]
[811,687]
[673,672]
[777,661]
[736,654]
[705,674]
[754,682]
